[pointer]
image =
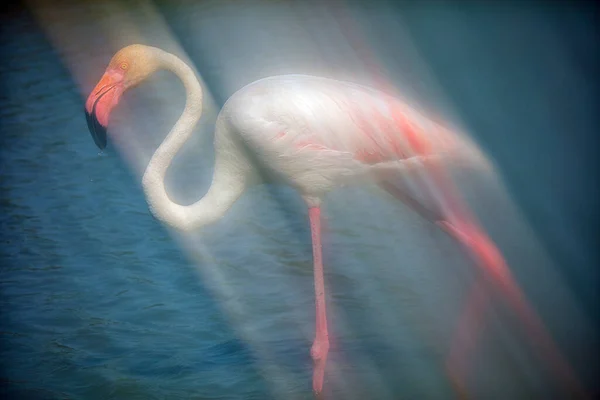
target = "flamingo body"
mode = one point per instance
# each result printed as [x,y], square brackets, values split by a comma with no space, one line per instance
[314,134]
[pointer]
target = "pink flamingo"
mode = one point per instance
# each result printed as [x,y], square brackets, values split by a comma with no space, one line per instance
[312,133]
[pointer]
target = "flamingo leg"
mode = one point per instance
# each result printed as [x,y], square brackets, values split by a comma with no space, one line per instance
[320,347]
[486,256]
[470,321]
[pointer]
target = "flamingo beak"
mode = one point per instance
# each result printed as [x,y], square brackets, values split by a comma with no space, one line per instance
[100,103]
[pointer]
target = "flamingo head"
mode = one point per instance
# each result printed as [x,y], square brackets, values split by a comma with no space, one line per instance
[128,67]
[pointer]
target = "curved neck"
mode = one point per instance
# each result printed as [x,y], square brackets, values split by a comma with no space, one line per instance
[220,196]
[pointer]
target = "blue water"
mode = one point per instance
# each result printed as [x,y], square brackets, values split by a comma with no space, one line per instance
[99,301]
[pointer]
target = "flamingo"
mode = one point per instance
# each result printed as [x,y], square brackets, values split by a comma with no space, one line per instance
[314,134]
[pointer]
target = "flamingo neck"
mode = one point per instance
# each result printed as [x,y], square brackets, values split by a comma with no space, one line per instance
[220,196]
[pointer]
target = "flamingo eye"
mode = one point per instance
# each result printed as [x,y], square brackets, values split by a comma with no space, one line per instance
[124,66]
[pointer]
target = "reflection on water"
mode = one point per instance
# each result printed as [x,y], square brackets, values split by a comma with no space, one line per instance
[99,301]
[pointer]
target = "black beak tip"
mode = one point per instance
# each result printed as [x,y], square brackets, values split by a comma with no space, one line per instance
[97,130]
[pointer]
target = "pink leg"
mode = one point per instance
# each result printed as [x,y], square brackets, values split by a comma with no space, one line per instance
[487,257]
[320,346]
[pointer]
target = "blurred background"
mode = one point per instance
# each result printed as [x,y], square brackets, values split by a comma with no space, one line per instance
[99,300]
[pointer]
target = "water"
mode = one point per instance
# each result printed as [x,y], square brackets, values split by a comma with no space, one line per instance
[100,301]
